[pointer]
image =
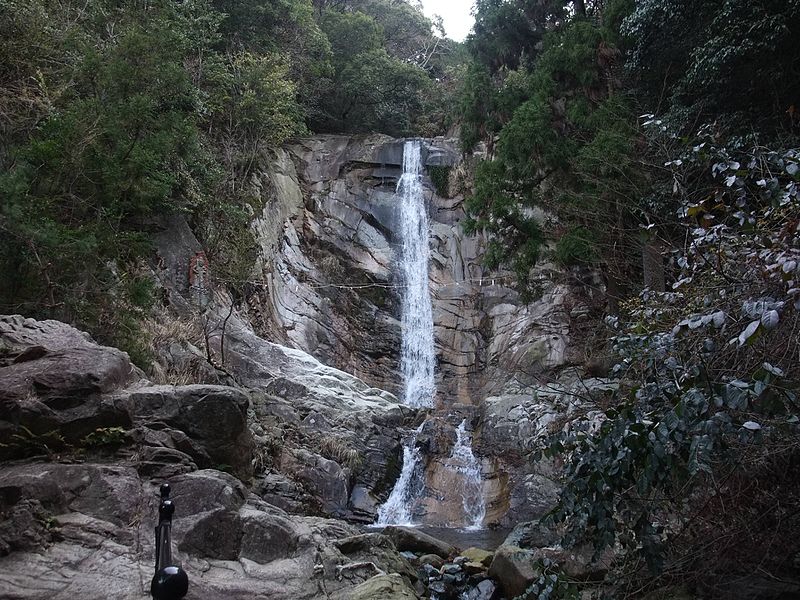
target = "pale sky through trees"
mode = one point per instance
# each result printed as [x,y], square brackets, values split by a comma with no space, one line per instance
[455,13]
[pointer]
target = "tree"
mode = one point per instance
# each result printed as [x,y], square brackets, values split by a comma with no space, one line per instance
[563,139]
[730,57]
[369,90]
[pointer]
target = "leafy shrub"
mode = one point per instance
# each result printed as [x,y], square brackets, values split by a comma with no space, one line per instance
[440,177]
[104,436]
[707,384]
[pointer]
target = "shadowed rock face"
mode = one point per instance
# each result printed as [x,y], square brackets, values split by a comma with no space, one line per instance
[72,387]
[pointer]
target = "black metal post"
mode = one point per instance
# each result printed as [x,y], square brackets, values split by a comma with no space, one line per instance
[169,582]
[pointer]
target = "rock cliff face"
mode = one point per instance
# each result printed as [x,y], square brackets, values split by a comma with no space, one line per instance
[328,281]
[328,284]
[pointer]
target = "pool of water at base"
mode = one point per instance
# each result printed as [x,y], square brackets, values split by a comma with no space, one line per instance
[486,539]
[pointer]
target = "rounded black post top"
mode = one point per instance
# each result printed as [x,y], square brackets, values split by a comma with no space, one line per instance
[165,490]
[169,583]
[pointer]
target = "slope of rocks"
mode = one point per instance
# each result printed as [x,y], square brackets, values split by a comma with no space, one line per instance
[87,439]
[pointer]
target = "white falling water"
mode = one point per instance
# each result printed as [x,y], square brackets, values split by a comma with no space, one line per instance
[465,463]
[417,355]
[399,507]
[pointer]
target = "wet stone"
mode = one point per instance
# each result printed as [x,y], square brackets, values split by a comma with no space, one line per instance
[474,580]
[458,580]
[433,560]
[485,590]
[442,591]
[451,569]
[477,555]
[431,571]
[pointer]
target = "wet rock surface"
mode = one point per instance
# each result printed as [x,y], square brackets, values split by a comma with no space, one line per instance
[384,587]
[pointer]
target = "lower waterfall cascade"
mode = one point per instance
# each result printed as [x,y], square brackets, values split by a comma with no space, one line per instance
[398,509]
[464,461]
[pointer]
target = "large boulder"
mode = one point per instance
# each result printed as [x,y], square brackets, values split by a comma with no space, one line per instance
[368,549]
[384,587]
[59,387]
[56,379]
[213,418]
[325,477]
[514,568]
[413,540]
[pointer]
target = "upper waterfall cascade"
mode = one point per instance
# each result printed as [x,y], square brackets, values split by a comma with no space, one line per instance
[417,354]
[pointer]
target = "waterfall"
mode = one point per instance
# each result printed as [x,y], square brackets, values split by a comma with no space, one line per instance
[417,355]
[418,359]
[399,507]
[464,462]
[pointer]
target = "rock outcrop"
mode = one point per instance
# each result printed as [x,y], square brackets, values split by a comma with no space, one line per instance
[61,389]
[96,540]
[87,439]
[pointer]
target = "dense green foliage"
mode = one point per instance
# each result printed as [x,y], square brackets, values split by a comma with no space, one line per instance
[116,113]
[113,135]
[369,88]
[730,59]
[660,139]
[555,90]
[708,384]
[564,137]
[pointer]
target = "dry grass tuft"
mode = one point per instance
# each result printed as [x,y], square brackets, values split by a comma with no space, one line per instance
[340,451]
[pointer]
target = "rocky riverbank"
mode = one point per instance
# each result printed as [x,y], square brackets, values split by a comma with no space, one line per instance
[89,441]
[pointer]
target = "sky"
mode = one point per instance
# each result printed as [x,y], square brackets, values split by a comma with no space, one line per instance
[456,15]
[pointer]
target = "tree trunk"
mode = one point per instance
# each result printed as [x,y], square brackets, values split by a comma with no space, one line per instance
[580,7]
[653,267]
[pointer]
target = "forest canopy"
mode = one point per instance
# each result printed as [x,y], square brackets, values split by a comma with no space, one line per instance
[113,111]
